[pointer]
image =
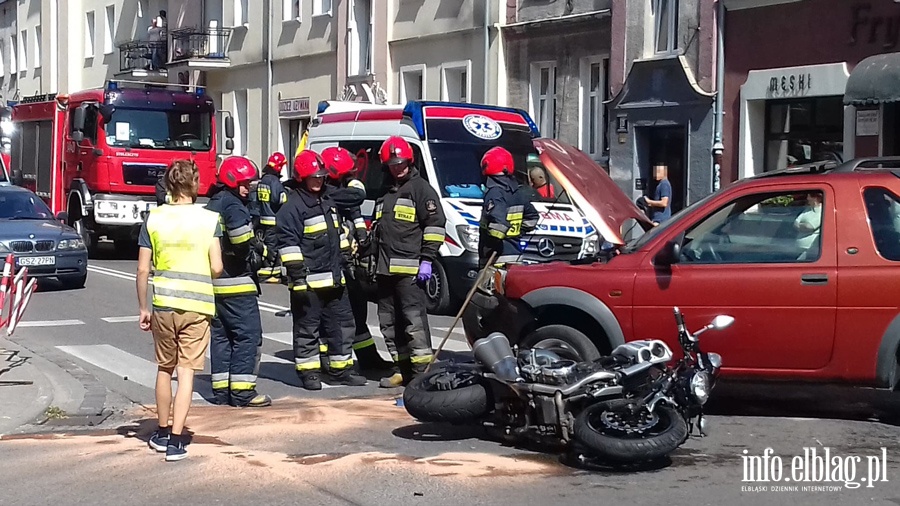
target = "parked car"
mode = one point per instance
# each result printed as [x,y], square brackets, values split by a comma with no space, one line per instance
[807,261]
[40,241]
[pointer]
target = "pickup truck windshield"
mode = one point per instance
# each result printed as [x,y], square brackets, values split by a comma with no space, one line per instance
[146,129]
[458,167]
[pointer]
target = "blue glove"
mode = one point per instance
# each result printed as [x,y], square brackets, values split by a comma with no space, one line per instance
[424,272]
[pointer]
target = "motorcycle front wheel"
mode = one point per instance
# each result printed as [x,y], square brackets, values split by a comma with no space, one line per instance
[610,430]
[446,396]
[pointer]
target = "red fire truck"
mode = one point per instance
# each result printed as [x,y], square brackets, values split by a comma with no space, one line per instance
[97,154]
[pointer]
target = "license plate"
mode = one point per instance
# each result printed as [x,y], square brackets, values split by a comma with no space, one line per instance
[33,261]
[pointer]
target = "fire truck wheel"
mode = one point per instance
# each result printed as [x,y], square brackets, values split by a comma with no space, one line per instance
[90,240]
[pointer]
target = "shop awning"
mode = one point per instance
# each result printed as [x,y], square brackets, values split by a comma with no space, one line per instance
[874,81]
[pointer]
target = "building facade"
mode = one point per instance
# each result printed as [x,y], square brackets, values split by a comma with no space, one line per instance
[807,93]
[557,68]
[662,112]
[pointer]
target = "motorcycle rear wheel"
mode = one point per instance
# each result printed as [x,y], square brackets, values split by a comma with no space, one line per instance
[667,433]
[427,403]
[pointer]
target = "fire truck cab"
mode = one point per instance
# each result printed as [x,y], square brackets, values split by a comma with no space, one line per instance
[97,154]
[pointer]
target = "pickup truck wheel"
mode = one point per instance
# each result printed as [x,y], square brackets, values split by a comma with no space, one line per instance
[437,291]
[567,342]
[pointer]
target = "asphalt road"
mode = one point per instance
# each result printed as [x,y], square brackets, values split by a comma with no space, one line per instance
[356,446]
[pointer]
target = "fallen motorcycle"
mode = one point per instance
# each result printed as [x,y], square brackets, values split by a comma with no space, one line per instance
[630,407]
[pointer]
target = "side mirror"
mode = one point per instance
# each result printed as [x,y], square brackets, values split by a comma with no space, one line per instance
[229,128]
[722,321]
[669,254]
[229,145]
[62,216]
[79,119]
[106,111]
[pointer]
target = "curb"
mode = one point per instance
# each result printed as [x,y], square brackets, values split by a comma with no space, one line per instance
[24,410]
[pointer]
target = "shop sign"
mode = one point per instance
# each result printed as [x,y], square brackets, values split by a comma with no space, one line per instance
[866,122]
[790,85]
[293,107]
[882,29]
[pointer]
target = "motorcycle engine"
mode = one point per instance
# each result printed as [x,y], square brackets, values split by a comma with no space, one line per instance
[543,366]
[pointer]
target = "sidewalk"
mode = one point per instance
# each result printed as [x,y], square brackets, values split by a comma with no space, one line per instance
[29,385]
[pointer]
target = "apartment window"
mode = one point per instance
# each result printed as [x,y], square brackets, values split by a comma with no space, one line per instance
[291,10]
[665,25]
[543,97]
[455,83]
[321,7]
[109,29]
[23,50]
[360,38]
[241,12]
[412,78]
[13,55]
[89,35]
[38,33]
[594,76]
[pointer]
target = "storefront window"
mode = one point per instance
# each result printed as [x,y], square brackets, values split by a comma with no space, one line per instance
[804,131]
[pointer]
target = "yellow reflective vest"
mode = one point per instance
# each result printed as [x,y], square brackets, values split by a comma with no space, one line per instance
[180,236]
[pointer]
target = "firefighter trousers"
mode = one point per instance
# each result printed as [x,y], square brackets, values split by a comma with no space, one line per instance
[235,349]
[328,310]
[272,266]
[403,319]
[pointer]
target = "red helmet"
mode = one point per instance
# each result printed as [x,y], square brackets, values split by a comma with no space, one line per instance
[338,162]
[497,162]
[308,164]
[277,161]
[236,170]
[396,150]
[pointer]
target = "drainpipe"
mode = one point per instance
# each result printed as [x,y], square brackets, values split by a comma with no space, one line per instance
[269,79]
[487,49]
[718,147]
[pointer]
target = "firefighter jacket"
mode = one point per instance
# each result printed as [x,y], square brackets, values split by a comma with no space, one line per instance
[180,237]
[507,213]
[270,196]
[239,245]
[308,234]
[162,195]
[409,225]
[353,226]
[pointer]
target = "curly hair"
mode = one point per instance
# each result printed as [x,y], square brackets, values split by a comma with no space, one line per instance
[183,179]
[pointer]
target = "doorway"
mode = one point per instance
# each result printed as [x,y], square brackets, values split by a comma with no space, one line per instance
[665,146]
[295,129]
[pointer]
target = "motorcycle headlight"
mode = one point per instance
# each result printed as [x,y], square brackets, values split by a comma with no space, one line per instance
[700,386]
[468,236]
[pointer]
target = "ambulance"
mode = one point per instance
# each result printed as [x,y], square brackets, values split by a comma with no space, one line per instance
[448,141]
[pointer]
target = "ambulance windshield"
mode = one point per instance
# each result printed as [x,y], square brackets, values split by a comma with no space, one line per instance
[147,129]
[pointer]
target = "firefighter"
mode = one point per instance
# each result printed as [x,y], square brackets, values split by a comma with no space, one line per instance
[309,243]
[270,196]
[236,330]
[507,212]
[408,231]
[341,168]
[162,194]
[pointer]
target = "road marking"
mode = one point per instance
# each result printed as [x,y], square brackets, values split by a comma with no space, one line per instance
[121,319]
[451,345]
[119,362]
[50,323]
[110,272]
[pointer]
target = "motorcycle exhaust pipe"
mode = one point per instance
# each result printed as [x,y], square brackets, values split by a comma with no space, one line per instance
[495,352]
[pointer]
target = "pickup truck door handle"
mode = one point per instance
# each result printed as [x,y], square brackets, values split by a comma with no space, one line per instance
[814,279]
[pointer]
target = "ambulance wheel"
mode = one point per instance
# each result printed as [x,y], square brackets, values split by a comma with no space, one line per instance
[437,291]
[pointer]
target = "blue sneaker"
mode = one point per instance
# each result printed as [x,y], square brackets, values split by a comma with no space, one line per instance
[158,441]
[175,451]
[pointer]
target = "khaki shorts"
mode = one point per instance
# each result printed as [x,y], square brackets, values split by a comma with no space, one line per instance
[181,339]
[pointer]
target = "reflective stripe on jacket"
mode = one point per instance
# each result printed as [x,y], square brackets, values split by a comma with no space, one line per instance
[180,236]
[237,226]
[270,195]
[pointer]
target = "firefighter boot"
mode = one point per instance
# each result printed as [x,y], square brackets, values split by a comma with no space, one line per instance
[402,373]
[311,380]
[260,401]
[345,377]
[368,359]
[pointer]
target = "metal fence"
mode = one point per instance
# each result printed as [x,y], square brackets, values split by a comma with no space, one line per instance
[143,55]
[207,43]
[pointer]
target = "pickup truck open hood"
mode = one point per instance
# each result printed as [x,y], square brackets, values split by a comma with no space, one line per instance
[590,188]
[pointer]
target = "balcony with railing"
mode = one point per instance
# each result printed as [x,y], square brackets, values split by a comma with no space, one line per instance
[143,59]
[200,47]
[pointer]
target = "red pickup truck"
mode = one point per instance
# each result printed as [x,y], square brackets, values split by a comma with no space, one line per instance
[806,260]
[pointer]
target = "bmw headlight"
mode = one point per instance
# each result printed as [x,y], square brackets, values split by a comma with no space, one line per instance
[700,386]
[70,244]
[468,236]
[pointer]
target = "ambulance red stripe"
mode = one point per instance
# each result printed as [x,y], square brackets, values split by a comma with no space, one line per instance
[433,112]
